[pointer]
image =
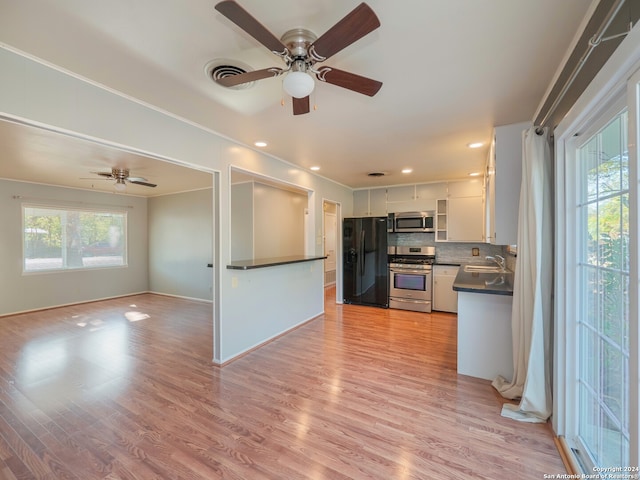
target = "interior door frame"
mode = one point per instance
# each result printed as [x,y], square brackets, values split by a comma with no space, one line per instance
[338,244]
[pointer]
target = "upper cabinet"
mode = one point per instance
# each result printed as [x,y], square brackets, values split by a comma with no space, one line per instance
[402,193]
[441,220]
[504,174]
[370,203]
[465,219]
[415,198]
[459,206]
[427,195]
[473,187]
[460,217]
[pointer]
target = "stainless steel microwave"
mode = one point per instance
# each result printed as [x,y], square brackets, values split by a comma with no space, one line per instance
[412,222]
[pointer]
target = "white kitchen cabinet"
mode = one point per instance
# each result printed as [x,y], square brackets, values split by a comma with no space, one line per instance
[445,298]
[427,195]
[402,193]
[415,198]
[465,219]
[473,187]
[361,203]
[441,220]
[370,202]
[378,202]
[504,173]
[460,217]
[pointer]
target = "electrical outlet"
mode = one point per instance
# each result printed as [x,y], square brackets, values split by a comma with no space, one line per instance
[475,252]
[234,282]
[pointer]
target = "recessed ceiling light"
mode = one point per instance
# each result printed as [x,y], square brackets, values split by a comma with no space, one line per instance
[315,168]
[407,170]
[475,145]
[260,144]
[474,174]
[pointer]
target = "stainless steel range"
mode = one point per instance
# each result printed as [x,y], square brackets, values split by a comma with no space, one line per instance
[410,272]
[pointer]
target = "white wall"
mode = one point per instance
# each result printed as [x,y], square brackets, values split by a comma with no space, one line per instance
[22,292]
[278,221]
[242,221]
[266,221]
[41,94]
[181,244]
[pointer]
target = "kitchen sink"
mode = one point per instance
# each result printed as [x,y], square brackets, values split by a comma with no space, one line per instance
[483,269]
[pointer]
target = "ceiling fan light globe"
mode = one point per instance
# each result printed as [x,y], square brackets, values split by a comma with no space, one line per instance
[298,84]
[120,187]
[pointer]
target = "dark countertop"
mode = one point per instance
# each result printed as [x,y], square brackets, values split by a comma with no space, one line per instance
[447,264]
[271,262]
[480,282]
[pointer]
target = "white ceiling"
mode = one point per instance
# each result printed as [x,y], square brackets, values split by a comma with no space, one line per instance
[39,155]
[451,70]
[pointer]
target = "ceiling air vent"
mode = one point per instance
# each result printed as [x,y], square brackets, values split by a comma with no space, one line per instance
[221,68]
[376,174]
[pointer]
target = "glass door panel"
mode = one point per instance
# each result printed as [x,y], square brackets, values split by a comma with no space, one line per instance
[603,312]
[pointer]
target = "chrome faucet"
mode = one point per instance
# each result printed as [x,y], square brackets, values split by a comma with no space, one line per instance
[499,260]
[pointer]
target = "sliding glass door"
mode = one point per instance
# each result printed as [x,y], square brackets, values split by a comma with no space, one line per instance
[602,321]
[596,334]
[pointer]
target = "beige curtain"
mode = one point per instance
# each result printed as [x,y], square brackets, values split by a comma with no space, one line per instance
[531,314]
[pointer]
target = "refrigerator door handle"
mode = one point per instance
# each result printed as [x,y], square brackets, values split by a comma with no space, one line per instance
[362,254]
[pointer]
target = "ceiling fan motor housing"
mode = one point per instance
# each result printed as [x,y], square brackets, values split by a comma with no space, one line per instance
[120,173]
[297,40]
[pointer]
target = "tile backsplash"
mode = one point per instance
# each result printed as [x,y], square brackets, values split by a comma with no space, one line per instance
[451,252]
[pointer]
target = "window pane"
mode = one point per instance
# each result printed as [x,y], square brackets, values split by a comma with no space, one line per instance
[591,296]
[609,160]
[588,420]
[589,369]
[592,235]
[624,159]
[57,239]
[613,374]
[613,311]
[590,161]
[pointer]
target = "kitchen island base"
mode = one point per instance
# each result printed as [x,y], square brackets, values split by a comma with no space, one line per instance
[484,335]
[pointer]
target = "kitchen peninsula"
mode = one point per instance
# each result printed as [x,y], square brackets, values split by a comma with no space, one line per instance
[484,323]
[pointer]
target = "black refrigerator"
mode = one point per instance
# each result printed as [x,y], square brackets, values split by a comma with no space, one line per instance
[365,277]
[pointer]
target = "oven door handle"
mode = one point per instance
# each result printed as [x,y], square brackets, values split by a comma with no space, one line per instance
[410,300]
[401,270]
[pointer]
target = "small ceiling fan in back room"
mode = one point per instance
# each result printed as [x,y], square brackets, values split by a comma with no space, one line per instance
[300,50]
[121,177]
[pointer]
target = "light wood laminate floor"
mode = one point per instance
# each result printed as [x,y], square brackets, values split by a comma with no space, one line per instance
[125,389]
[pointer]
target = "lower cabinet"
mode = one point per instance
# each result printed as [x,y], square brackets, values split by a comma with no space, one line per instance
[445,298]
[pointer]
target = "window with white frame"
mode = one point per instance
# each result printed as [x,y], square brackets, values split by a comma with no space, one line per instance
[62,238]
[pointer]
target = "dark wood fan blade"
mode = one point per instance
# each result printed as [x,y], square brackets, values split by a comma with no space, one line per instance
[104,174]
[300,105]
[233,80]
[348,80]
[361,21]
[138,182]
[246,22]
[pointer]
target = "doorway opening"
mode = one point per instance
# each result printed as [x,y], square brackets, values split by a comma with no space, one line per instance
[330,241]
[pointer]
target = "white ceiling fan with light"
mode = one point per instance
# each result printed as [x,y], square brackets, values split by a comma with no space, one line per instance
[301,50]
